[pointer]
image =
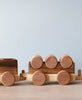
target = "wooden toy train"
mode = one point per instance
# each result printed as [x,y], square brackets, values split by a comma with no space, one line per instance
[39,72]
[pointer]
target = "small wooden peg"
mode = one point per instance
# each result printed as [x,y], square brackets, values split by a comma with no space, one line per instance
[23,71]
[20,74]
[79,72]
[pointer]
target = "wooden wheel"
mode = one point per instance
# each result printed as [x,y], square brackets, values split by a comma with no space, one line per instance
[51,61]
[38,78]
[7,78]
[36,62]
[63,77]
[66,61]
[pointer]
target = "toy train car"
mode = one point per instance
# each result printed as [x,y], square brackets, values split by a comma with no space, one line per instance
[39,72]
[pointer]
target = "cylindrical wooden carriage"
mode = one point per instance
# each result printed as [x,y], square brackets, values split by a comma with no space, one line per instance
[51,70]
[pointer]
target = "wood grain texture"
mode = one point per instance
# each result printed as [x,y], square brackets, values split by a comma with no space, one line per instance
[49,77]
[7,78]
[8,65]
[66,61]
[51,61]
[19,78]
[79,72]
[36,61]
[46,70]
[38,78]
[8,62]
[63,77]
[13,70]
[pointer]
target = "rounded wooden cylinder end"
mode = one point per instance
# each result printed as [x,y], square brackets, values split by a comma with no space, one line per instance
[38,78]
[63,77]
[36,62]
[51,61]
[66,61]
[7,78]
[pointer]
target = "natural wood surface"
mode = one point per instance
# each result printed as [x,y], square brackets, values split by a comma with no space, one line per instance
[8,65]
[51,61]
[50,91]
[66,61]
[49,77]
[7,78]
[36,61]
[46,70]
[63,77]
[8,62]
[39,78]
[79,72]
[13,70]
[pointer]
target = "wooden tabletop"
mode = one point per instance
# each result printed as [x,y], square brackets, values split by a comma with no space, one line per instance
[51,91]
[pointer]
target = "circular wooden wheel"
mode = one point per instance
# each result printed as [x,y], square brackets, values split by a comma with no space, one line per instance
[66,61]
[51,61]
[38,78]
[7,78]
[36,61]
[63,77]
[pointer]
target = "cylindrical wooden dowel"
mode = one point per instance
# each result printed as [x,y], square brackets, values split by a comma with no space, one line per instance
[7,78]
[66,61]
[79,72]
[51,61]
[63,77]
[38,78]
[36,61]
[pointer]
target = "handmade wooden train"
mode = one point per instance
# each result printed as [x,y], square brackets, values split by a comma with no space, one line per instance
[39,72]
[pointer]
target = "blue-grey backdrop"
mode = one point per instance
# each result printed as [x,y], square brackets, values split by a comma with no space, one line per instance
[30,27]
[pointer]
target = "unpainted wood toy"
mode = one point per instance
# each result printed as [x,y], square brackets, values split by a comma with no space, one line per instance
[51,70]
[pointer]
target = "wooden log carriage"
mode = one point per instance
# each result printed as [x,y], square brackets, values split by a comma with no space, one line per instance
[62,71]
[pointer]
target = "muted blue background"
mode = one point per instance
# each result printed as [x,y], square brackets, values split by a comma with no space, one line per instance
[43,27]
